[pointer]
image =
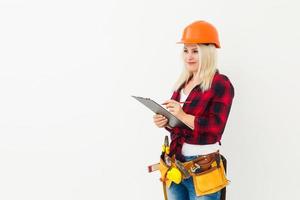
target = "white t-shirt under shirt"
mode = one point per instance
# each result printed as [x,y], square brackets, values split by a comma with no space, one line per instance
[195,149]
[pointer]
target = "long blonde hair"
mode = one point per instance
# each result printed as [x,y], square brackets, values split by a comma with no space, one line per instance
[206,69]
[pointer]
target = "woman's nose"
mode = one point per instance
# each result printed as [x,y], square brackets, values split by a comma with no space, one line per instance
[189,56]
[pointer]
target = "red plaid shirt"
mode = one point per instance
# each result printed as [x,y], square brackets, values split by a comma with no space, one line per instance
[210,108]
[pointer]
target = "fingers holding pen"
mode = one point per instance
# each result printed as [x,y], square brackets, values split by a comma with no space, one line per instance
[171,104]
[174,107]
[168,104]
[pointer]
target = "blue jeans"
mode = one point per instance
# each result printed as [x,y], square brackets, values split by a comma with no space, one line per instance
[185,190]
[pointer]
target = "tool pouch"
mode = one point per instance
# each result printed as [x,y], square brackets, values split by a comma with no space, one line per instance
[211,178]
[163,168]
[169,174]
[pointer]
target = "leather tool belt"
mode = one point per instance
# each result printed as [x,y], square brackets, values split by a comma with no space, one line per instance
[207,172]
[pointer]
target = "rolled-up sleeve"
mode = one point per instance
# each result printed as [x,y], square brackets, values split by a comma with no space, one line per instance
[209,126]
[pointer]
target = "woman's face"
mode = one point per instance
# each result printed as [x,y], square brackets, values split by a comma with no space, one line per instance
[191,57]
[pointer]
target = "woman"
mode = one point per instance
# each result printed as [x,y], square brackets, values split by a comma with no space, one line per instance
[208,96]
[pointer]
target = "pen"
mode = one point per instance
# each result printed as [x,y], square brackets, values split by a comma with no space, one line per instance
[180,102]
[185,102]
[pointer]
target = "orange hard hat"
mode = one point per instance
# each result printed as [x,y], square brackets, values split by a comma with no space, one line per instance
[200,32]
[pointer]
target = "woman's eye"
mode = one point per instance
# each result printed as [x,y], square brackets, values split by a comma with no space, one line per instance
[194,51]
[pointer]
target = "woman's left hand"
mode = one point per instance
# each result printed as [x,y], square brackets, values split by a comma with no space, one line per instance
[175,108]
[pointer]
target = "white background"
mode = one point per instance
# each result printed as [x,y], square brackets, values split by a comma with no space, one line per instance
[69,128]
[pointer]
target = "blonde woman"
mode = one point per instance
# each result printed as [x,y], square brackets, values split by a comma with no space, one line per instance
[208,96]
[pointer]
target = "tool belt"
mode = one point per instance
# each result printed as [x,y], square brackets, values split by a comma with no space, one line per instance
[207,172]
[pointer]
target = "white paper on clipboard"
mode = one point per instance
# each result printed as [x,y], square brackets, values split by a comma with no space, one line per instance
[173,121]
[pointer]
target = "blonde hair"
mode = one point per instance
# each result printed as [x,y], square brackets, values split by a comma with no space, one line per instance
[206,69]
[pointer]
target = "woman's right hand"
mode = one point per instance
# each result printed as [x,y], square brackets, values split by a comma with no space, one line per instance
[160,120]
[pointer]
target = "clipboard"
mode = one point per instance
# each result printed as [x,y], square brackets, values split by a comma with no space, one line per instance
[173,121]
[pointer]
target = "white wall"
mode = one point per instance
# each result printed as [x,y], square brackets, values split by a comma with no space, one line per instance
[70,130]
